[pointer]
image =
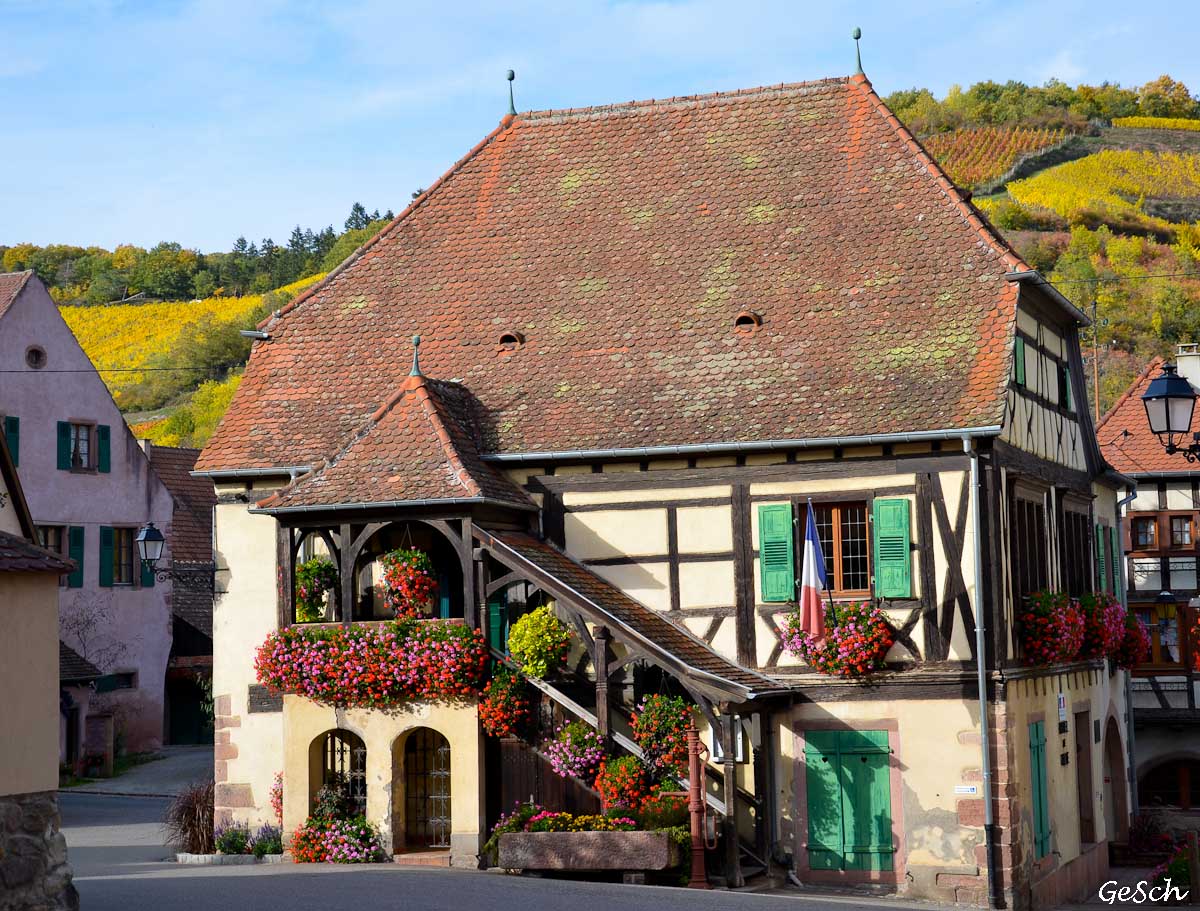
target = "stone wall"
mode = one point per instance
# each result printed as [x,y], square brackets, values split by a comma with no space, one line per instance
[33,855]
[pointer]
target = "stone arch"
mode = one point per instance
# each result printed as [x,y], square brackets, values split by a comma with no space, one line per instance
[338,758]
[451,558]
[422,794]
[1170,780]
[1116,792]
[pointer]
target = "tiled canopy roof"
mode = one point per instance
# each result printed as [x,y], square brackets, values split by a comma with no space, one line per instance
[417,447]
[1125,437]
[18,555]
[617,246]
[11,284]
[73,667]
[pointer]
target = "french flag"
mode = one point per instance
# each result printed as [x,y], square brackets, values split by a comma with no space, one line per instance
[813,583]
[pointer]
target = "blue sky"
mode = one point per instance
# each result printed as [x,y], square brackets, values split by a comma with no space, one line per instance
[134,122]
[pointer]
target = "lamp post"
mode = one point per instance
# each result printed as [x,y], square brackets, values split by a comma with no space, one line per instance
[192,576]
[1170,401]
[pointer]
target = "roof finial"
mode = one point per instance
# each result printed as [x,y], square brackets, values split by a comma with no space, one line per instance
[416,368]
[856,34]
[512,108]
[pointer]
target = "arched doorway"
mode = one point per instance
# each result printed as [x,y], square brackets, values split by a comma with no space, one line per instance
[338,761]
[1116,808]
[1173,781]
[425,802]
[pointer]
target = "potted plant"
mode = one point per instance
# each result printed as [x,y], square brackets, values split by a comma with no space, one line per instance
[623,782]
[1051,627]
[857,637]
[1103,624]
[660,728]
[538,642]
[314,578]
[505,705]
[576,751]
[408,581]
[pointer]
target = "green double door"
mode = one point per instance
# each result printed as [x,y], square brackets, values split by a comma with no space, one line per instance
[849,797]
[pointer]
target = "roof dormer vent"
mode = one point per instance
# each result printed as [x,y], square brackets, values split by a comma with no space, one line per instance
[746,322]
[510,341]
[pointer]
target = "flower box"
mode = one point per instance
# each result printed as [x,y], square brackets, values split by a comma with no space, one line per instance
[588,851]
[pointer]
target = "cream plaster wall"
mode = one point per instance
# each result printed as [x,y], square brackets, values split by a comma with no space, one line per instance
[643,495]
[706,584]
[616,533]
[29,682]
[649,583]
[383,733]
[243,615]
[705,529]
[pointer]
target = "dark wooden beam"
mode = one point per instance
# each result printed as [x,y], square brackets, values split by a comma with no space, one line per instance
[345,604]
[743,577]
[286,580]
[600,658]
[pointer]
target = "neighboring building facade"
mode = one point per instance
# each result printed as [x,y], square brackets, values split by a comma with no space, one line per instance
[33,853]
[90,487]
[189,669]
[651,333]
[1161,566]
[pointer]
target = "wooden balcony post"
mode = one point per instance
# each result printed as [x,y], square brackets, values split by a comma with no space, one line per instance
[733,865]
[285,604]
[600,656]
[346,575]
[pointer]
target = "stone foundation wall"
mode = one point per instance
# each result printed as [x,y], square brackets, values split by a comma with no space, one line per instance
[34,872]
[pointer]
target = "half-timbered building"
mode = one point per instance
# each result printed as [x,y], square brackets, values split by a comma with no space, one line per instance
[1159,561]
[650,334]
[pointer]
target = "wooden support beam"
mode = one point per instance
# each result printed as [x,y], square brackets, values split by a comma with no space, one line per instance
[600,657]
[580,625]
[345,606]
[467,568]
[286,581]
[733,864]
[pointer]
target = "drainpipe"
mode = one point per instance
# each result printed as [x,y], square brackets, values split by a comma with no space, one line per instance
[1135,809]
[989,817]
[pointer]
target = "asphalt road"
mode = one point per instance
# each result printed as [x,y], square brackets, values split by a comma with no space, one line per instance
[115,846]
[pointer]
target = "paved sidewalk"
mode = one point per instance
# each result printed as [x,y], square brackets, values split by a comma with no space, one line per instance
[165,777]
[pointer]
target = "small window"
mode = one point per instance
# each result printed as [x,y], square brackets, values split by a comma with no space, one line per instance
[82,451]
[1064,387]
[35,357]
[1145,530]
[54,537]
[842,528]
[1181,531]
[746,322]
[123,550]
[511,341]
[1019,361]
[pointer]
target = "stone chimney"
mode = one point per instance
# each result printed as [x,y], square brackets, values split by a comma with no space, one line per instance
[1187,361]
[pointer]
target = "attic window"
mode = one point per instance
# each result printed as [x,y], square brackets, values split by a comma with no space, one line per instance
[746,322]
[510,341]
[35,357]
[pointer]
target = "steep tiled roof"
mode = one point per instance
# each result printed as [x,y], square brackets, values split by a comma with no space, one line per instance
[191,524]
[621,243]
[1125,437]
[17,555]
[416,447]
[11,284]
[73,667]
[608,604]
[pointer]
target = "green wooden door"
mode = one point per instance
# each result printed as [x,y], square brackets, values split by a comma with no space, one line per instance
[497,622]
[1041,799]
[849,800]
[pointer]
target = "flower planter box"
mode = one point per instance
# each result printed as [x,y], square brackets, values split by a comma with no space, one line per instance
[226,860]
[588,851]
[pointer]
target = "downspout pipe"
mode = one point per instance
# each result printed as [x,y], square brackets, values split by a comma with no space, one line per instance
[989,816]
[1135,809]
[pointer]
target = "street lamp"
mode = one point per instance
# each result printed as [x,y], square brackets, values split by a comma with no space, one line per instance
[193,576]
[1170,401]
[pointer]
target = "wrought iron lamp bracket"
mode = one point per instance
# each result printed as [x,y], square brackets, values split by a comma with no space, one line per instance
[198,578]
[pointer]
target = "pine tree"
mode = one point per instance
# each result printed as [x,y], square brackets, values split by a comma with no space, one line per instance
[358,217]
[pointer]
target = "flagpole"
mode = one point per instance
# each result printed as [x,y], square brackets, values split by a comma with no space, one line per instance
[832,609]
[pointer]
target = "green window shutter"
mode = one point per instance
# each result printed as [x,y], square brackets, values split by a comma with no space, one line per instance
[776,552]
[1019,361]
[497,627]
[104,448]
[12,436]
[106,556]
[893,548]
[823,794]
[866,800]
[75,551]
[147,573]
[1101,547]
[1066,388]
[1117,558]
[64,446]
[1041,806]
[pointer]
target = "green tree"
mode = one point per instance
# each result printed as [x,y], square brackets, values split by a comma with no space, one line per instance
[1166,97]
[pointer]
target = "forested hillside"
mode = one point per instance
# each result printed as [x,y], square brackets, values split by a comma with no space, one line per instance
[1098,187]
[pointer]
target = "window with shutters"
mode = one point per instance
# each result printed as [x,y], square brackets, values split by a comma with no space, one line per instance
[1076,552]
[1145,532]
[845,542]
[82,450]
[54,537]
[848,798]
[1041,799]
[1028,551]
[1181,531]
[122,549]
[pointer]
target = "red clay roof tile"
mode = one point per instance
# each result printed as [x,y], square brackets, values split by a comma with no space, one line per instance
[622,242]
[1125,437]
